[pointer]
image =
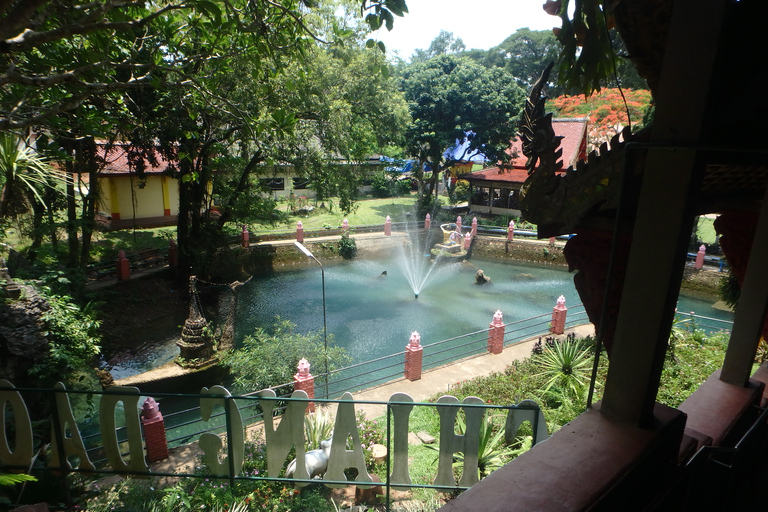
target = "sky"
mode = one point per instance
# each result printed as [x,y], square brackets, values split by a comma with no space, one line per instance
[481,24]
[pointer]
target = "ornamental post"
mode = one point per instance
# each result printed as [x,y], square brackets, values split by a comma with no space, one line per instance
[123,267]
[496,333]
[300,232]
[413,357]
[304,381]
[558,316]
[154,431]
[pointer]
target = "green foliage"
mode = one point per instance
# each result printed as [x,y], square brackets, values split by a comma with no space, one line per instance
[458,192]
[381,185]
[347,246]
[270,357]
[565,365]
[696,358]
[492,452]
[318,426]
[13,479]
[729,289]
[73,340]
[22,171]
[371,432]
[452,99]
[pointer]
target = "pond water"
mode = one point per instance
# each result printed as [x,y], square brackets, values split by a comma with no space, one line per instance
[372,315]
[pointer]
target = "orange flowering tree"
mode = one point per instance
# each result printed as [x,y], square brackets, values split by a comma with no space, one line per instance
[606,111]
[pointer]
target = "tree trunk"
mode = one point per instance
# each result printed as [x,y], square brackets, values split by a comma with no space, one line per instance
[90,200]
[72,240]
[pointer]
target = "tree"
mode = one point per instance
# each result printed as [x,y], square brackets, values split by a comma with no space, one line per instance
[454,100]
[525,54]
[56,55]
[444,44]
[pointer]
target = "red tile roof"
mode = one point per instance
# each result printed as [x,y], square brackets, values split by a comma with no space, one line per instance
[116,162]
[573,144]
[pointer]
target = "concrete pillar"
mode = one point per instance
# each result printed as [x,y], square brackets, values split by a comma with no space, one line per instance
[413,357]
[300,232]
[700,257]
[345,226]
[245,237]
[304,381]
[428,222]
[458,223]
[474,226]
[467,241]
[388,226]
[496,333]
[173,254]
[154,431]
[511,231]
[558,316]
[123,267]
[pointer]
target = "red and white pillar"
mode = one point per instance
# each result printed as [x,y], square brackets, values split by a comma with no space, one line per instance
[413,357]
[558,316]
[496,333]
[304,381]
[154,431]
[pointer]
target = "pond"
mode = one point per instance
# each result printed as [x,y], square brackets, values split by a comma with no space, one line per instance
[372,315]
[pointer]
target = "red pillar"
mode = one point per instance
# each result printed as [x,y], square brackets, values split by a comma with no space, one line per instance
[173,254]
[474,226]
[700,257]
[123,267]
[304,381]
[245,237]
[388,226]
[558,316]
[496,333]
[345,226]
[300,232]
[428,222]
[458,224]
[511,230]
[413,357]
[154,431]
[467,241]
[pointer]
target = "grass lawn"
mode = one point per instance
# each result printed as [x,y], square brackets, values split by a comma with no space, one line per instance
[369,211]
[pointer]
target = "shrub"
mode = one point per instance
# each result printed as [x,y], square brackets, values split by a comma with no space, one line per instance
[270,357]
[347,247]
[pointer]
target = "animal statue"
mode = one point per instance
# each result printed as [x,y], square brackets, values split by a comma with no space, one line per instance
[315,460]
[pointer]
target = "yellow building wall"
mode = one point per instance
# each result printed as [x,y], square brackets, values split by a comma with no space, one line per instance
[159,197]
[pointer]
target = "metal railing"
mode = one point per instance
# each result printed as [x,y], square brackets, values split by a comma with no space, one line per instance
[95,445]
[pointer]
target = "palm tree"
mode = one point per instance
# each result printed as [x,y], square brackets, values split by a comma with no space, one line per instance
[22,171]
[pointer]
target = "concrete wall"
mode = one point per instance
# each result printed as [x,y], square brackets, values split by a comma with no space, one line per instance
[159,197]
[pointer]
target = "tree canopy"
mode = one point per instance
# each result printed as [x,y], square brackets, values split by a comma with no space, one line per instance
[454,100]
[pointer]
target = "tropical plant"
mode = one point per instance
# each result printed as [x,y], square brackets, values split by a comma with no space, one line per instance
[318,426]
[565,365]
[23,172]
[492,452]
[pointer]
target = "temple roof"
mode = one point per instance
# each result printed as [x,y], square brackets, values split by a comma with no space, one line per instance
[573,143]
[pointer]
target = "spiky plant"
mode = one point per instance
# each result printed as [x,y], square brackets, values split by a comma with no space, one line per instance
[565,365]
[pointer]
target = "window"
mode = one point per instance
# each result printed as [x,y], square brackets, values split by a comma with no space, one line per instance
[300,183]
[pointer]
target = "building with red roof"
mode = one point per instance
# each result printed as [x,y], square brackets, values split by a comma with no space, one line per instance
[496,191]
